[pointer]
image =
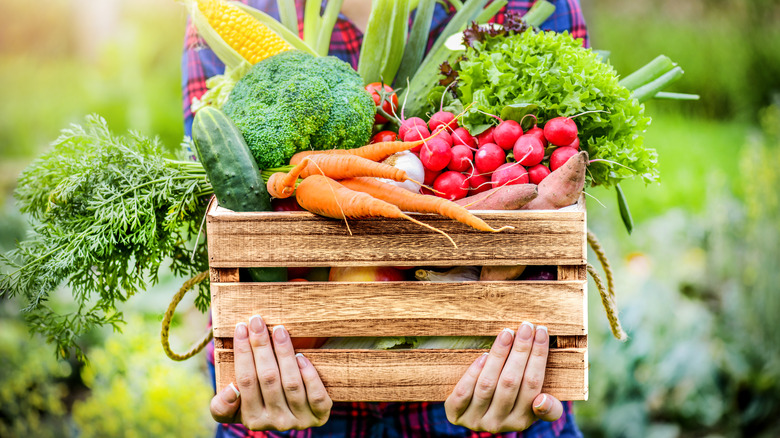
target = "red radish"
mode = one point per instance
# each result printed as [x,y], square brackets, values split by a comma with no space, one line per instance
[538,133]
[507,133]
[452,185]
[528,150]
[478,182]
[560,156]
[508,174]
[462,136]
[427,191]
[486,136]
[409,123]
[462,157]
[444,135]
[489,157]
[435,154]
[537,173]
[560,131]
[443,118]
[416,133]
[575,144]
[430,176]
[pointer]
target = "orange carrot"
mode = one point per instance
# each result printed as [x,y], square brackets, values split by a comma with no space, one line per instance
[408,201]
[326,197]
[374,152]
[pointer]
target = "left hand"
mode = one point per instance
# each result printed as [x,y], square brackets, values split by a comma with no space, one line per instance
[501,391]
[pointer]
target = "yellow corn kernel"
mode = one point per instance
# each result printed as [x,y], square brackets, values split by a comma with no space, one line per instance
[253,40]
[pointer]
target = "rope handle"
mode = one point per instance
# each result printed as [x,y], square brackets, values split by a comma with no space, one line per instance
[166,322]
[608,292]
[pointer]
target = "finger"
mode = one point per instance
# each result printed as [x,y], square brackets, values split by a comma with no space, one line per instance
[512,374]
[488,378]
[459,400]
[318,398]
[267,369]
[533,378]
[224,406]
[547,407]
[246,374]
[294,391]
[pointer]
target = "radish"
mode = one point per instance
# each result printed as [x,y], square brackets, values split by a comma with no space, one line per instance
[528,150]
[538,133]
[430,175]
[486,136]
[507,133]
[462,157]
[560,131]
[489,157]
[452,185]
[443,134]
[416,133]
[463,137]
[560,156]
[409,123]
[435,154]
[575,144]
[478,182]
[508,174]
[537,173]
[443,118]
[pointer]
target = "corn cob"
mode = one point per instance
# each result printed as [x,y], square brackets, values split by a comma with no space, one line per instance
[253,40]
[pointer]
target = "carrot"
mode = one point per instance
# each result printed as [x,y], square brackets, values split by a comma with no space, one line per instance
[374,152]
[338,167]
[408,201]
[563,186]
[326,197]
[510,197]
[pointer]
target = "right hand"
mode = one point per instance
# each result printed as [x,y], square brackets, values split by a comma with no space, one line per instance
[279,390]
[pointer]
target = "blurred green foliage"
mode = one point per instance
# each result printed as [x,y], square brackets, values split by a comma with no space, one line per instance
[136,391]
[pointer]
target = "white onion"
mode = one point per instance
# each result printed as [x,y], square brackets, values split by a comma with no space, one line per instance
[413,167]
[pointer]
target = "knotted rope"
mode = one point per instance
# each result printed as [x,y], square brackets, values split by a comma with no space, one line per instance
[166,322]
[608,292]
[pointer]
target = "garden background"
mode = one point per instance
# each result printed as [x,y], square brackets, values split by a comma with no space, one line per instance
[697,280]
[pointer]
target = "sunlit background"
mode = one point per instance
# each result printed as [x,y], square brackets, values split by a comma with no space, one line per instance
[697,280]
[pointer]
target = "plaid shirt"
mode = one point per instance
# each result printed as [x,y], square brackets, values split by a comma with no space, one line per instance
[361,420]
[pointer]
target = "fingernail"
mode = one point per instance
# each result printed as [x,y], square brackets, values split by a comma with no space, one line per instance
[542,406]
[482,359]
[280,333]
[541,335]
[506,336]
[241,331]
[256,324]
[302,361]
[526,331]
[230,393]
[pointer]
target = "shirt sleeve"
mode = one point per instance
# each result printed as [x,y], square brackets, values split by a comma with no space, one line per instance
[198,64]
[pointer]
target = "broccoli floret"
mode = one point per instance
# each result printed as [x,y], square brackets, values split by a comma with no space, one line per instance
[294,101]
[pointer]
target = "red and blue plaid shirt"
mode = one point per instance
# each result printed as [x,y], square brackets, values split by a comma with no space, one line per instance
[363,420]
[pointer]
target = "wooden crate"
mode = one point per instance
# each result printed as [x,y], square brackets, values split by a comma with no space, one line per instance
[407,308]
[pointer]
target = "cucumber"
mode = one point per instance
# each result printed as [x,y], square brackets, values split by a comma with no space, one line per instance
[232,171]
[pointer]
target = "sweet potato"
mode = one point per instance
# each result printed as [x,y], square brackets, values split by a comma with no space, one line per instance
[562,187]
[510,197]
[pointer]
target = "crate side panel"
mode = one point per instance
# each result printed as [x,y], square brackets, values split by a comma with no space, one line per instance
[474,308]
[415,375]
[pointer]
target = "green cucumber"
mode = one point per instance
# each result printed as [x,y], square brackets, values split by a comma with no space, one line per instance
[232,171]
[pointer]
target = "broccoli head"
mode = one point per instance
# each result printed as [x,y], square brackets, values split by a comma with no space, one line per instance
[294,101]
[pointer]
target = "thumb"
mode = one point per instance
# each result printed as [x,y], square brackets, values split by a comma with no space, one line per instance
[547,407]
[224,406]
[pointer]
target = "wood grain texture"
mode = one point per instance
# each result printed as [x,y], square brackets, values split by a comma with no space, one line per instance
[477,308]
[296,239]
[223,275]
[416,375]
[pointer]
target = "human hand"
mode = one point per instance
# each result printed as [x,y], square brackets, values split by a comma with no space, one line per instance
[501,391]
[279,390]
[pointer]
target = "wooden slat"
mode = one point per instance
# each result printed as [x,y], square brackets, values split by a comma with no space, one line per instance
[416,375]
[401,308]
[223,275]
[293,239]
